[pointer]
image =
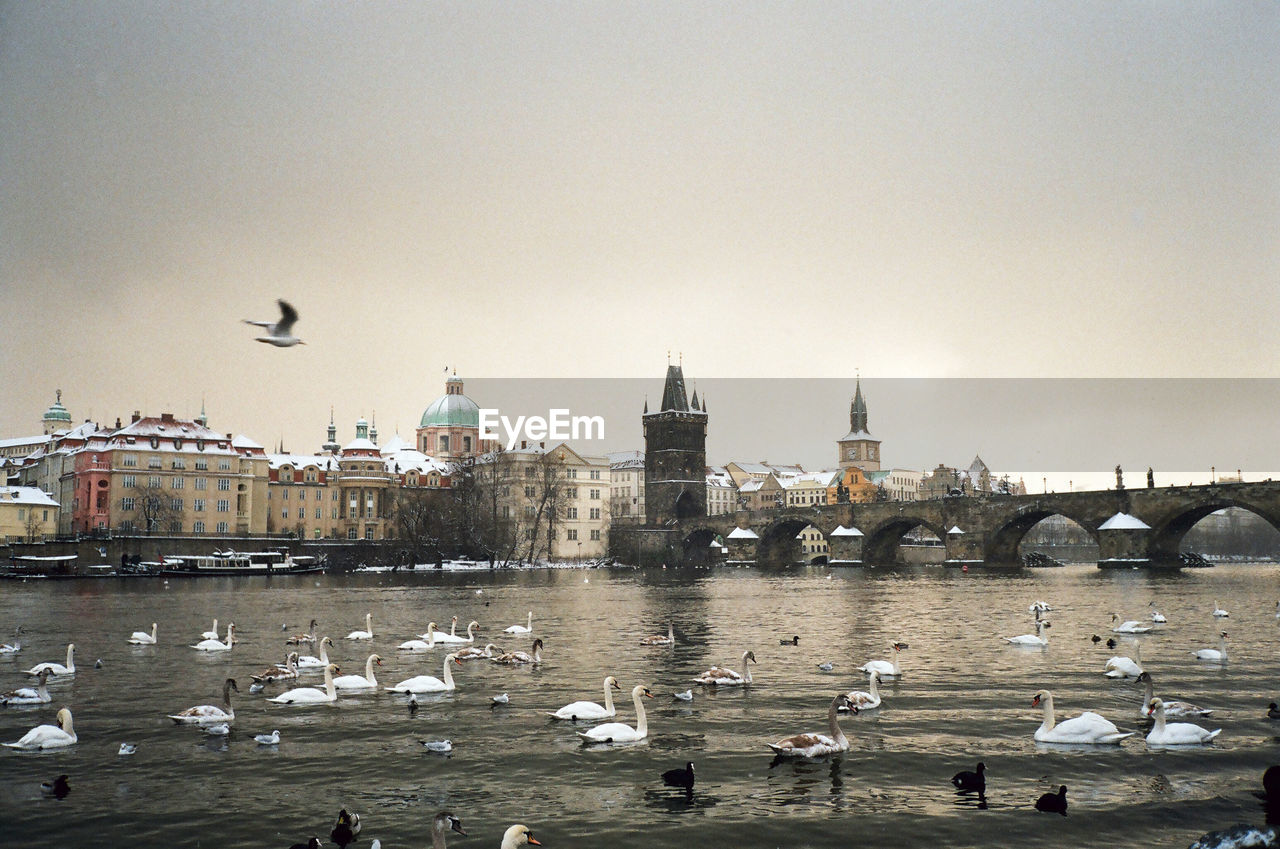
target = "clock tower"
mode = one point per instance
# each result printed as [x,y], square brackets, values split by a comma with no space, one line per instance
[858,447]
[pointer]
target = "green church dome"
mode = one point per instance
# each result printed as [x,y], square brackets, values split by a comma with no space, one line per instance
[57,412]
[453,409]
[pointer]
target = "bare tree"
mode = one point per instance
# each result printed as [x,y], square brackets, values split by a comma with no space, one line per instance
[153,508]
[33,524]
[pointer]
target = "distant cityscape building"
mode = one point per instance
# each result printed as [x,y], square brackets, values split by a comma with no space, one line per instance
[675,454]
[858,447]
[626,485]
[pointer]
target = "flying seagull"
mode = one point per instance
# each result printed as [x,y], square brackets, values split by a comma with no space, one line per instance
[280,334]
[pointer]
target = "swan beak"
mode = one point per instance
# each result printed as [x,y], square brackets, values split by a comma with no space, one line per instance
[1035,701]
[615,685]
[647,693]
[457,826]
[531,839]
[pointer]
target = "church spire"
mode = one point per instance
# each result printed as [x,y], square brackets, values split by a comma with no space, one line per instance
[331,444]
[858,411]
[673,394]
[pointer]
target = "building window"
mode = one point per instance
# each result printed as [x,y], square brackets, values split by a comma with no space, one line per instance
[202,483]
[129,481]
[595,512]
[466,444]
[153,462]
[351,533]
[175,503]
[595,494]
[444,443]
[571,513]
[571,473]
[284,512]
[153,481]
[317,512]
[368,533]
[202,465]
[529,512]
[224,465]
[529,492]
[179,482]
[284,495]
[595,474]
[506,511]
[528,533]
[223,527]
[197,504]
[129,460]
[595,534]
[224,505]
[179,463]
[197,527]
[571,534]
[571,492]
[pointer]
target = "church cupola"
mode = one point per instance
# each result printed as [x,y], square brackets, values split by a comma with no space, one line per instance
[331,443]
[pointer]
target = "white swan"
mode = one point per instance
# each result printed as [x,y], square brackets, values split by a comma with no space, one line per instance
[1219,654]
[620,732]
[1219,612]
[212,633]
[453,638]
[516,658]
[518,835]
[209,714]
[1037,640]
[659,640]
[38,695]
[428,683]
[1156,616]
[1121,666]
[142,638]
[722,676]
[309,662]
[16,645]
[1171,708]
[367,633]
[863,700]
[275,673]
[815,745]
[1088,727]
[1129,626]
[1039,607]
[216,645]
[48,736]
[591,710]
[58,668]
[884,667]
[521,629]
[423,642]
[473,653]
[310,695]
[360,682]
[1175,733]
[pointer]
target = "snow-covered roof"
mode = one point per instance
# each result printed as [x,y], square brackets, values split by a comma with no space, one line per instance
[751,485]
[743,533]
[955,529]
[394,444]
[857,434]
[720,479]
[1125,522]
[28,495]
[242,441]
[324,462]
[180,428]
[715,544]
[842,531]
[811,478]
[23,441]
[359,445]
[408,460]
[626,459]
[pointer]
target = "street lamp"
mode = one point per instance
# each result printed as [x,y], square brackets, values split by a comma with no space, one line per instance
[579,553]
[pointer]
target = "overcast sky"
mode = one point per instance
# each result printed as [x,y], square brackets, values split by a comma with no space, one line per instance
[1075,189]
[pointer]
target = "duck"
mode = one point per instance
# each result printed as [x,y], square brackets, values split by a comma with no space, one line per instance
[1053,803]
[275,673]
[308,637]
[1171,708]
[863,700]
[424,642]
[272,739]
[1129,626]
[518,835]
[516,658]
[217,645]
[1088,727]
[16,645]
[473,653]
[442,824]
[59,788]
[1121,666]
[49,736]
[360,682]
[212,633]
[792,641]
[1036,640]
[590,710]
[37,695]
[1111,642]
[428,683]
[679,777]
[345,829]
[1218,612]
[815,745]
[1175,733]
[620,732]
[310,695]
[1273,712]
[1096,639]
[453,638]
[209,714]
[69,668]
[659,639]
[1156,616]
[440,746]
[142,638]
[722,676]
[367,633]
[884,667]
[527,628]
[1219,654]
[309,662]
[971,782]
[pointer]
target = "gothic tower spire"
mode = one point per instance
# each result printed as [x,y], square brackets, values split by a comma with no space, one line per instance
[858,411]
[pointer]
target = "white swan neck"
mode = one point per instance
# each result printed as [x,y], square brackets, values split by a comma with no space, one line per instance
[1158,727]
[642,721]
[71,664]
[746,668]
[448,673]
[608,697]
[1049,721]
[368,671]
[329,689]
[833,720]
[875,686]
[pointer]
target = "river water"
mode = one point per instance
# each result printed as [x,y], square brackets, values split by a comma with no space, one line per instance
[964,696]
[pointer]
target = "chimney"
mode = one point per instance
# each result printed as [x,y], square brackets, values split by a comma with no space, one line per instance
[137,414]
[117,422]
[166,417]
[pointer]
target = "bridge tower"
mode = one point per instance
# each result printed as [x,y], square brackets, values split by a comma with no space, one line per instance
[675,454]
[858,447]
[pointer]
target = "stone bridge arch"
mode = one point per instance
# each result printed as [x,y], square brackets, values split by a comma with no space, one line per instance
[778,544]
[696,545]
[1168,530]
[1002,545]
[880,544]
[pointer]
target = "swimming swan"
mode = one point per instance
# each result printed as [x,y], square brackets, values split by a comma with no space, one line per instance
[428,683]
[863,700]
[1219,654]
[620,732]
[142,638]
[1171,708]
[57,668]
[659,640]
[48,736]
[1129,626]
[360,682]
[367,633]
[516,658]
[816,745]
[215,645]
[212,633]
[1088,727]
[1125,667]
[884,667]
[1037,640]
[591,710]
[423,642]
[209,714]
[1176,733]
[521,629]
[309,662]
[453,638]
[473,653]
[275,673]
[441,825]
[38,695]
[724,677]
[310,695]
[308,637]
[518,835]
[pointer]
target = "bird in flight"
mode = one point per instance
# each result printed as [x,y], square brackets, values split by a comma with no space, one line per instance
[280,334]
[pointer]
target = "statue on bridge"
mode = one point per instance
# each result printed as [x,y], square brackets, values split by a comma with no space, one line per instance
[842,493]
[1151,478]
[1119,477]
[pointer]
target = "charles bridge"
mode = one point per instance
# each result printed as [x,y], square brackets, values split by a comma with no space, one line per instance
[1132,527]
